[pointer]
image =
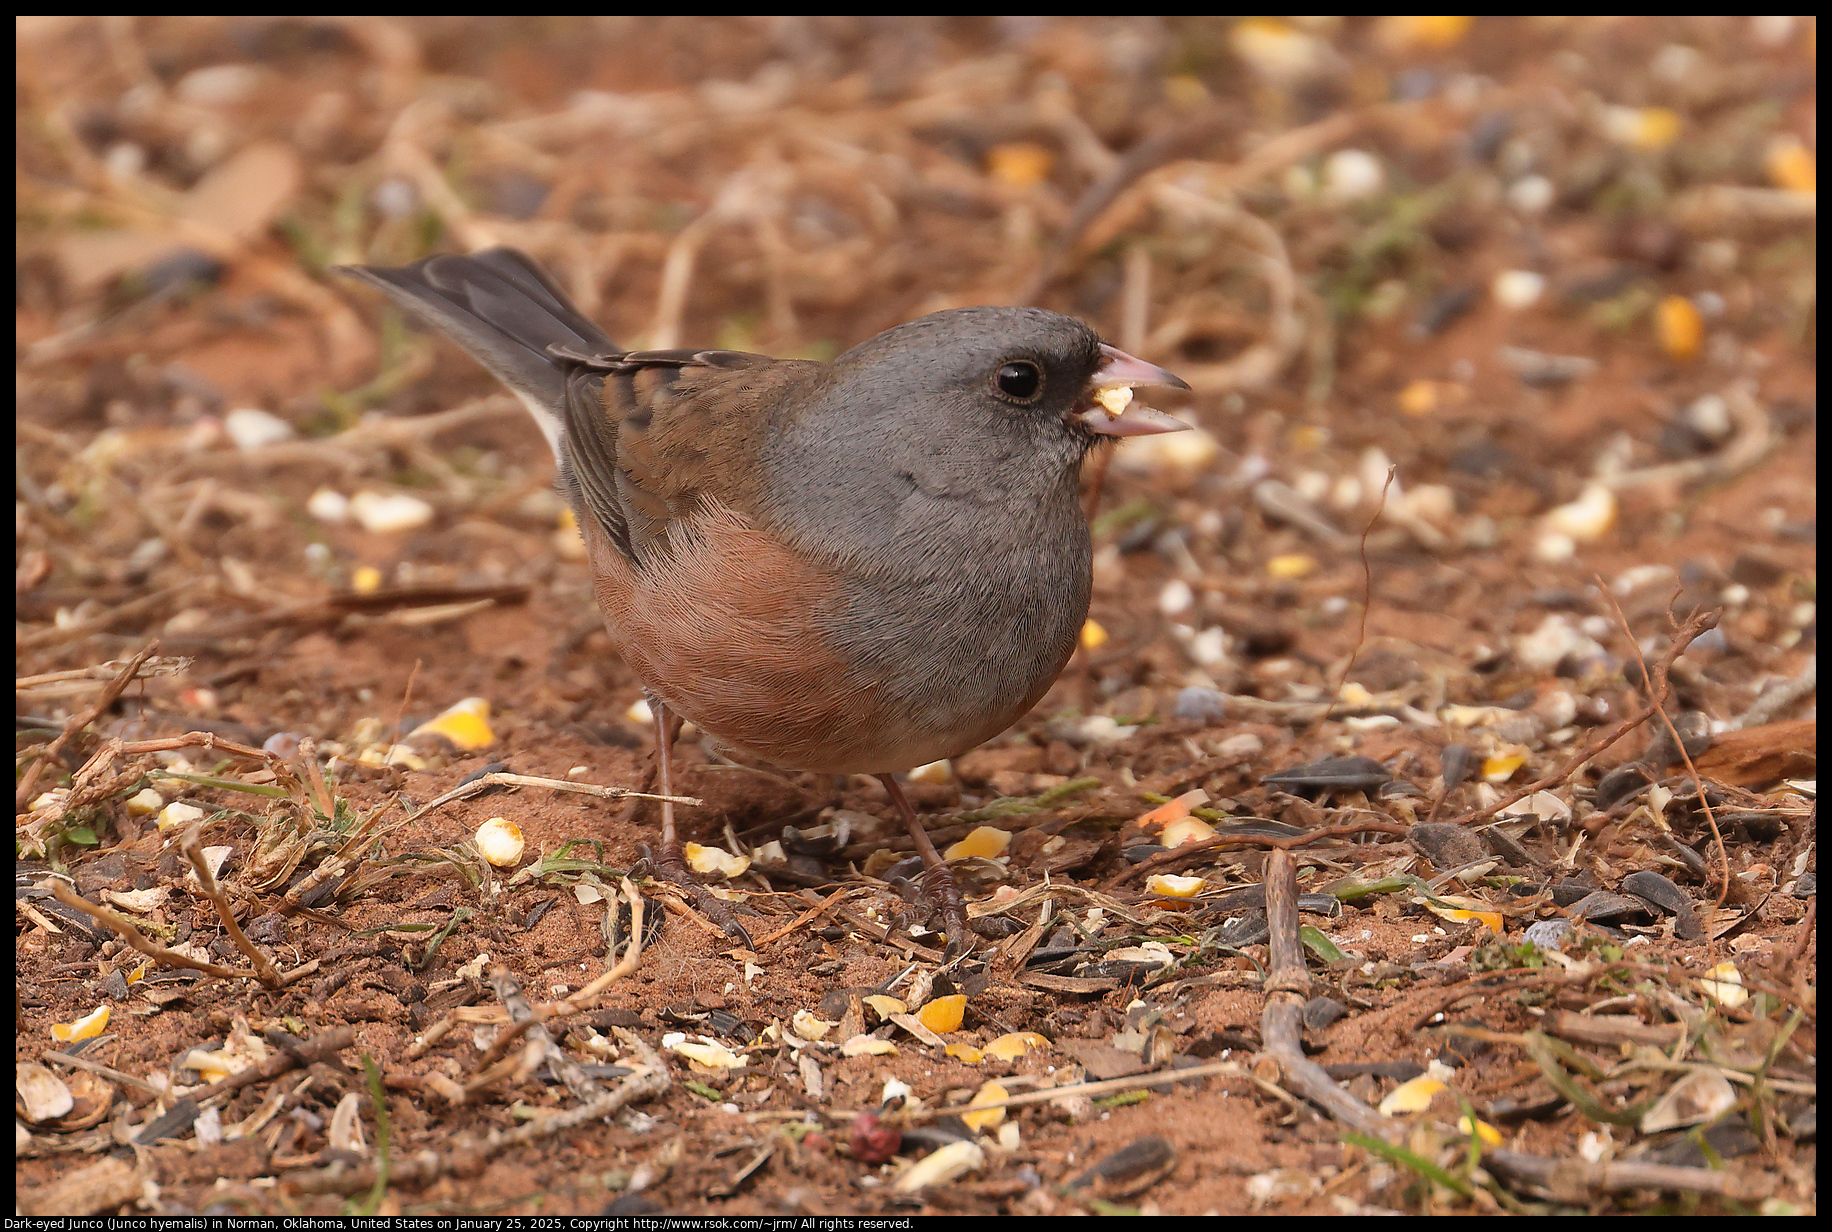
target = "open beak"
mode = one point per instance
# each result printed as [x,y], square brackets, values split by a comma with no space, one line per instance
[1114,413]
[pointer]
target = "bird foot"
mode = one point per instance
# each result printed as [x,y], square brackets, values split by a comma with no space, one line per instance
[671,868]
[935,902]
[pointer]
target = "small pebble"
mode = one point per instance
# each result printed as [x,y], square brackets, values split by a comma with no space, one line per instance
[1548,934]
[251,428]
[1531,194]
[1176,597]
[1352,175]
[1708,416]
[124,160]
[1517,289]
[1205,706]
[389,514]
[1210,647]
[218,85]
[328,505]
[395,198]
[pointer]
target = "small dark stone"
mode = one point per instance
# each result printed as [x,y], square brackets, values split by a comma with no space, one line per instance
[728,1024]
[1726,1140]
[1332,774]
[1138,536]
[181,268]
[1459,1049]
[1759,827]
[1603,907]
[1657,891]
[1486,135]
[1325,905]
[1131,1168]
[1564,893]
[1442,310]
[1455,763]
[1502,844]
[1485,459]
[1757,572]
[1244,930]
[114,986]
[1694,728]
[1199,705]
[1319,1012]
[817,846]
[1621,783]
[1446,844]
[1382,671]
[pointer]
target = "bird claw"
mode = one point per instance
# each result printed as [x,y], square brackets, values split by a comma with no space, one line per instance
[671,868]
[935,902]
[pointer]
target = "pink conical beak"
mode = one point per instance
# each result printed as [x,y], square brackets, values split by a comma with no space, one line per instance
[1123,371]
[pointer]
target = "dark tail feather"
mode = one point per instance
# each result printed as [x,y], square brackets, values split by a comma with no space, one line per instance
[505,312]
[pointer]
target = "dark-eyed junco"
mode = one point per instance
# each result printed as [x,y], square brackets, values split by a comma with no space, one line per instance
[848,567]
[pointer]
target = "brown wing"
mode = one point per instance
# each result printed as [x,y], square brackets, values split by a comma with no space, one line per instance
[653,437]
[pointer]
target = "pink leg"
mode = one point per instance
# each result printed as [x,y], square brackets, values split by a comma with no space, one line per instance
[938,886]
[668,865]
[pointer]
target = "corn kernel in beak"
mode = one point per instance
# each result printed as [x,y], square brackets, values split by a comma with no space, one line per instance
[1114,401]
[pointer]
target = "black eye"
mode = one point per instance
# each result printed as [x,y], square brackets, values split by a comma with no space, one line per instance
[1020,380]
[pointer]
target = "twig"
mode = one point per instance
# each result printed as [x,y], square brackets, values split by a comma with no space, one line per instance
[264,968]
[55,636]
[1107,207]
[82,679]
[290,1057]
[807,916]
[1576,1180]
[1754,436]
[1287,988]
[1678,743]
[1132,1082]
[133,936]
[1367,601]
[203,739]
[406,696]
[28,782]
[886,934]
[113,1075]
[503,778]
[524,1020]
[1187,853]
